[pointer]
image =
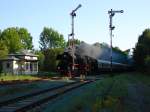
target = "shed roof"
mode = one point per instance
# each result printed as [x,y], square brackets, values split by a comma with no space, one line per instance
[10,58]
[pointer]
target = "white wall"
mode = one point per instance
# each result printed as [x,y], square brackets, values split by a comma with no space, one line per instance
[31,57]
[15,67]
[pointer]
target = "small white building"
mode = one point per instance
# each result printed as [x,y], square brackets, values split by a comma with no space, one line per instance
[23,62]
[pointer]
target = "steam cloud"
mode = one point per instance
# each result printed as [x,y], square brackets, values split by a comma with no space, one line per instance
[97,52]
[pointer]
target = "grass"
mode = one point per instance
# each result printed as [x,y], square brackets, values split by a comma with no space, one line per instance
[88,97]
[104,95]
[10,77]
[107,94]
[48,74]
[13,77]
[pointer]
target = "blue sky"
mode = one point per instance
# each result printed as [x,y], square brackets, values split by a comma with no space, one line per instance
[91,23]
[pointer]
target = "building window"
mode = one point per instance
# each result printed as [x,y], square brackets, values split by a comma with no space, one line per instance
[31,67]
[35,66]
[8,65]
[27,66]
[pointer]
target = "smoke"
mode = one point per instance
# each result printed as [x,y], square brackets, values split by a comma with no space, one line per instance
[96,51]
[93,51]
[85,49]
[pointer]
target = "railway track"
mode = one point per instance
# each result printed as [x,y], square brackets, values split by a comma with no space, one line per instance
[30,101]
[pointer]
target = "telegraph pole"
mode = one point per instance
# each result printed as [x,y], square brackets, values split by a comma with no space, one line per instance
[73,15]
[111,28]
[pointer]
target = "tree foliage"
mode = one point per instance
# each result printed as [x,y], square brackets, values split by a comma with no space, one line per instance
[117,49]
[142,50]
[26,38]
[127,52]
[11,39]
[50,61]
[41,58]
[47,59]
[76,42]
[147,63]
[3,53]
[16,39]
[49,38]
[3,50]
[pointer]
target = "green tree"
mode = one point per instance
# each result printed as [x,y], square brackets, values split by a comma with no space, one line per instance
[3,50]
[127,52]
[11,39]
[16,39]
[49,38]
[26,38]
[117,49]
[41,58]
[3,53]
[142,50]
[147,63]
[50,61]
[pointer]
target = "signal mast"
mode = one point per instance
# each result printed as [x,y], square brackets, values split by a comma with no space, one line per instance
[111,28]
[71,41]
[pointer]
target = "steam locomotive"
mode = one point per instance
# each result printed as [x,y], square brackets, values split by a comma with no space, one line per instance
[90,59]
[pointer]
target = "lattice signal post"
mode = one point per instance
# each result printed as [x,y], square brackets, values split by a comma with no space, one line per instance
[111,28]
[71,42]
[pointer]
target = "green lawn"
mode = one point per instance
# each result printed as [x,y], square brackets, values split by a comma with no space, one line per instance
[127,92]
[10,77]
